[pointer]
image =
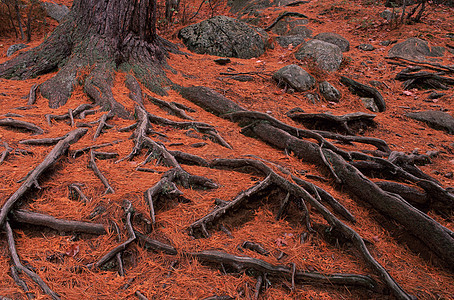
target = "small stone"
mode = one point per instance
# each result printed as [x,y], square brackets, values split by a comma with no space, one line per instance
[366,47]
[369,103]
[449,175]
[242,78]
[329,92]
[222,61]
[387,42]
[435,95]
[315,98]
[13,48]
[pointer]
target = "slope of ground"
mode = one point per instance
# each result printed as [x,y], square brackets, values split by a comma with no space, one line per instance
[56,257]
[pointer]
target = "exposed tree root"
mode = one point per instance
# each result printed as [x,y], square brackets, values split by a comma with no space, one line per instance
[243,263]
[175,108]
[123,246]
[92,165]
[22,125]
[32,178]
[217,213]
[71,114]
[32,94]
[76,192]
[102,124]
[255,247]
[365,91]
[344,123]
[79,152]
[20,282]
[284,15]
[21,268]
[32,218]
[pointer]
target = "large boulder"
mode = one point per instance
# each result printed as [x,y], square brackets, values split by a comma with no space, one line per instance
[335,39]
[292,26]
[224,36]
[326,55]
[55,11]
[295,77]
[416,49]
[435,119]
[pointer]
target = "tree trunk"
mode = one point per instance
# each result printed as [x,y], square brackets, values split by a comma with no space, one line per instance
[96,39]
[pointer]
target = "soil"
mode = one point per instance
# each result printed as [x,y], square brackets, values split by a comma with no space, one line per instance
[55,256]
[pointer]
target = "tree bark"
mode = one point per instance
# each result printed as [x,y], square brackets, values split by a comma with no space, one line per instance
[95,40]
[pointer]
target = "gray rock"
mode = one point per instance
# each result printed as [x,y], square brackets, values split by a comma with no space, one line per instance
[387,42]
[55,11]
[369,103]
[295,77]
[366,47]
[285,41]
[286,25]
[302,31]
[251,7]
[224,36]
[335,39]
[313,97]
[435,119]
[414,48]
[329,92]
[13,48]
[388,15]
[327,56]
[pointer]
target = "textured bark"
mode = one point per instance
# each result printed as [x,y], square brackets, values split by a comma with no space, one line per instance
[96,39]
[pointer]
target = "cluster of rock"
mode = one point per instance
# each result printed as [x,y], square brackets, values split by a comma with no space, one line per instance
[240,38]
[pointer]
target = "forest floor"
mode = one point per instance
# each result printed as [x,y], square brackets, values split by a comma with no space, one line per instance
[54,256]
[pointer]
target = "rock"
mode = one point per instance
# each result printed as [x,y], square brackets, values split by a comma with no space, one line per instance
[285,41]
[326,55]
[295,77]
[388,15]
[242,7]
[292,26]
[242,78]
[387,42]
[376,83]
[335,39]
[313,97]
[13,48]
[224,36]
[435,95]
[222,61]
[416,49]
[329,92]
[435,119]
[369,103]
[302,31]
[55,11]
[366,47]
